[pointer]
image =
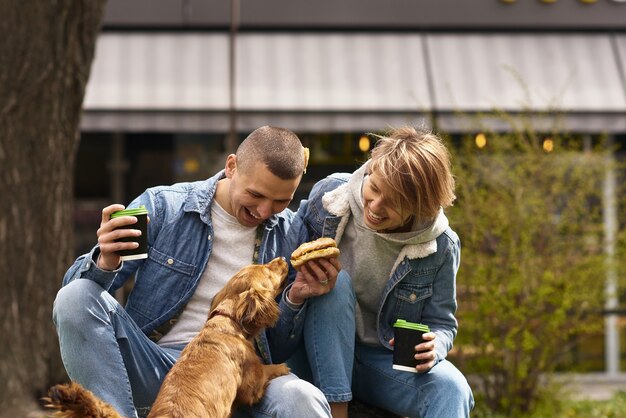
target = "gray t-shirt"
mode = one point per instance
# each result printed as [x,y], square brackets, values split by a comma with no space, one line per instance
[233,248]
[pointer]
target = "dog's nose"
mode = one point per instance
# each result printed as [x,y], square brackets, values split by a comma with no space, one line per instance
[279,263]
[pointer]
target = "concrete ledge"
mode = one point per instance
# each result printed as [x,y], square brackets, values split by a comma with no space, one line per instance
[592,386]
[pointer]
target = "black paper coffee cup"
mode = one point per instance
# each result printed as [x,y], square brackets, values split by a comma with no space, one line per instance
[142,224]
[406,336]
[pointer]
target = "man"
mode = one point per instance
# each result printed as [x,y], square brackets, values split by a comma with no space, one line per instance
[199,235]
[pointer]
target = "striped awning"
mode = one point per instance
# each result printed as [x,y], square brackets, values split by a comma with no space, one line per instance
[355,81]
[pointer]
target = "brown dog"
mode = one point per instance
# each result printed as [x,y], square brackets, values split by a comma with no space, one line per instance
[219,367]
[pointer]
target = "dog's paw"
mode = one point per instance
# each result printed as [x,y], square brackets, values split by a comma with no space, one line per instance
[276,370]
[283,369]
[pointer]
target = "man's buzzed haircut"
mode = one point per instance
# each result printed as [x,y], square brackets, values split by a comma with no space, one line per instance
[279,149]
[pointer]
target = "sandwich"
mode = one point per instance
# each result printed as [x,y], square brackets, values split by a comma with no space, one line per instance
[320,248]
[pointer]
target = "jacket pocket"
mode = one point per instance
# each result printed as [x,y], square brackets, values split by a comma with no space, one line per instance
[163,281]
[170,262]
[410,300]
[413,293]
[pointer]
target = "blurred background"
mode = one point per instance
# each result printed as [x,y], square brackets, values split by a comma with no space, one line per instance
[177,84]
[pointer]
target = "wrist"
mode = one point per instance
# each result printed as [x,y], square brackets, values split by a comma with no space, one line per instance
[102,265]
[293,300]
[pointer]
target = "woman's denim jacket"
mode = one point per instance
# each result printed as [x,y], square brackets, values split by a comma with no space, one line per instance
[422,285]
[180,239]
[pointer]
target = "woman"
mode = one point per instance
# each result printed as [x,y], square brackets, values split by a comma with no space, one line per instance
[402,259]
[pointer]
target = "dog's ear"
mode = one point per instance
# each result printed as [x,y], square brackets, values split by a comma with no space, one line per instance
[256,309]
[236,285]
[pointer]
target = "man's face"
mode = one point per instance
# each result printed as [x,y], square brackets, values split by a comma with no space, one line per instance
[256,194]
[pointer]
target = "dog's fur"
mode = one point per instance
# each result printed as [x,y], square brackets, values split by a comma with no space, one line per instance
[219,368]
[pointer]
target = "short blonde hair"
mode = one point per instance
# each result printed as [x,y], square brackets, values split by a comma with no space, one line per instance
[415,168]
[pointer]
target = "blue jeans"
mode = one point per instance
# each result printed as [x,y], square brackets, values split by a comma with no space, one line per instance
[107,353]
[343,369]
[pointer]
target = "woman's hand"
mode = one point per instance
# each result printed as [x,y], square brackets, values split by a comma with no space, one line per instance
[314,278]
[424,352]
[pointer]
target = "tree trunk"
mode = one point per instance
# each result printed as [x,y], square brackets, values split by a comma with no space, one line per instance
[46,50]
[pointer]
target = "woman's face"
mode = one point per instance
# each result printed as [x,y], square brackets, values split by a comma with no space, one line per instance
[380,213]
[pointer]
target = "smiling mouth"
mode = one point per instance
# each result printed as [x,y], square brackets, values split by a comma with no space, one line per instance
[258,218]
[375,217]
[375,221]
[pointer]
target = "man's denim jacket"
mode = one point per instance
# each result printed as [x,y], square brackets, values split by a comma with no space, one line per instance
[180,239]
[422,285]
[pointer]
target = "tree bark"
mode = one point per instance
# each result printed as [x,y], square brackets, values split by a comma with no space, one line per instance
[46,50]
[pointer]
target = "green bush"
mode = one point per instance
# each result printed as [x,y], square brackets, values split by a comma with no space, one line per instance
[613,408]
[533,266]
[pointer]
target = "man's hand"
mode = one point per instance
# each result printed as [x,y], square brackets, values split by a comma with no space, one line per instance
[316,277]
[107,234]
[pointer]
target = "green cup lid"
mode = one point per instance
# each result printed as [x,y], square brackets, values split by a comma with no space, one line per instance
[141,210]
[401,323]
